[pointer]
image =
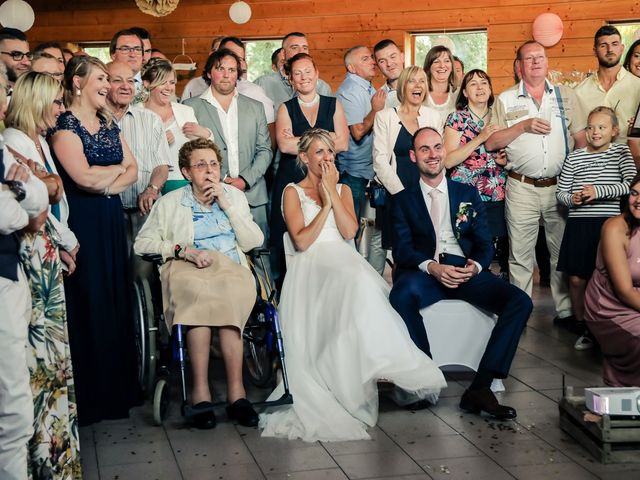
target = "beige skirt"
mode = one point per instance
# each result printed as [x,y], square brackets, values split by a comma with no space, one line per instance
[221,295]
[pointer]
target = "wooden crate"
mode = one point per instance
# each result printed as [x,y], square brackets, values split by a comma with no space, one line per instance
[611,440]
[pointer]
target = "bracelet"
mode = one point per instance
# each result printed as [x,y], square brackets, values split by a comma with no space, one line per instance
[154,187]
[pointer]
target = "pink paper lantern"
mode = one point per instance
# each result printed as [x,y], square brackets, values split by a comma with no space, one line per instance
[547,29]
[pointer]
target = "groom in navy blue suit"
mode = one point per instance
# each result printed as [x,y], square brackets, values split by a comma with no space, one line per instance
[442,249]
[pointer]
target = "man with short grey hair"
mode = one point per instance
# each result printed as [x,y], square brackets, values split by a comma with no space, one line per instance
[361,102]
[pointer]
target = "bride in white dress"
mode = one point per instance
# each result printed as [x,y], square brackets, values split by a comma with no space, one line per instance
[340,333]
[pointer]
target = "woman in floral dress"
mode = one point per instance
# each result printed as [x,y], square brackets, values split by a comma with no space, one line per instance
[469,162]
[54,449]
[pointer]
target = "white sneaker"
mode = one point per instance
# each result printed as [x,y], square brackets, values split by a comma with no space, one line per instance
[584,342]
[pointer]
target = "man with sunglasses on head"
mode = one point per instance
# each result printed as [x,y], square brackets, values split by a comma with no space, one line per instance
[14,52]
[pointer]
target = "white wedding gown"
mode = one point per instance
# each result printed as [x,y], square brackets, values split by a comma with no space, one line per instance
[341,335]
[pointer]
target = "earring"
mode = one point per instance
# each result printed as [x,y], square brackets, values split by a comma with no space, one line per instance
[78,92]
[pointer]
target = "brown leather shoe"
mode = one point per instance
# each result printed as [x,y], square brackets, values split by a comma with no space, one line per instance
[483,400]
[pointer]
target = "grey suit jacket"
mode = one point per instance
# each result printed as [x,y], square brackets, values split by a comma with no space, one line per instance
[254,144]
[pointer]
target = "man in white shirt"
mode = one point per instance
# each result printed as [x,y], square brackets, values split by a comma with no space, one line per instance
[144,134]
[239,126]
[539,125]
[611,85]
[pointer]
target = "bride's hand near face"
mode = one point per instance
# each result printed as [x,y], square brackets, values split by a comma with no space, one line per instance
[324,190]
[330,176]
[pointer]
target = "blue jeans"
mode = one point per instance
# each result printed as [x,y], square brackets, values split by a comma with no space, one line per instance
[358,187]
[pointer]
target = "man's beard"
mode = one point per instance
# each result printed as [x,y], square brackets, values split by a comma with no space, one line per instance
[604,62]
[11,75]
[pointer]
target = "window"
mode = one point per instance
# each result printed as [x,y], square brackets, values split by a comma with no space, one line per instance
[630,32]
[258,56]
[470,47]
[98,50]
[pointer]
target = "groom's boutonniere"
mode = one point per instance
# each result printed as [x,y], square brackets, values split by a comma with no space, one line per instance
[465,213]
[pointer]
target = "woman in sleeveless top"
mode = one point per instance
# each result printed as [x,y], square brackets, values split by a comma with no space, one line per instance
[306,110]
[393,131]
[340,332]
[612,298]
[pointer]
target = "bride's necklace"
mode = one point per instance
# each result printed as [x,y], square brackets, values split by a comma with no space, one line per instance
[311,103]
[479,118]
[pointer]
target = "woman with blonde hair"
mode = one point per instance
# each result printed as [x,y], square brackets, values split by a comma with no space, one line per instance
[36,103]
[159,79]
[393,130]
[96,164]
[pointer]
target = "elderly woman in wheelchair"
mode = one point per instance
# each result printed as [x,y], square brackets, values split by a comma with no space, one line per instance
[201,232]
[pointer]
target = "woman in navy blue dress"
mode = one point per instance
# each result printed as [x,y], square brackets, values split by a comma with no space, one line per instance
[96,165]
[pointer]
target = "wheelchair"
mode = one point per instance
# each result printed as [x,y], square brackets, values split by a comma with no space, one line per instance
[158,350]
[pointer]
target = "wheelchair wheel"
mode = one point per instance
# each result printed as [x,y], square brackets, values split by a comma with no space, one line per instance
[160,402]
[258,363]
[144,319]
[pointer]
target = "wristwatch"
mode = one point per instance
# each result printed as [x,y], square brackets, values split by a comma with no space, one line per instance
[17,188]
[154,187]
[176,251]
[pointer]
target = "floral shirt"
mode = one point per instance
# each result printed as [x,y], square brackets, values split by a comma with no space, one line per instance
[480,168]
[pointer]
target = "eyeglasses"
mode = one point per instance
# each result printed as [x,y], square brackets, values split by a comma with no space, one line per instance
[532,58]
[59,102]
[125,49]
[203,165]
[148,50]
[57,75]
[17,55]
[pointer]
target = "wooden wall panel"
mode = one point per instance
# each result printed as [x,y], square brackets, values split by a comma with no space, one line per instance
[334,25]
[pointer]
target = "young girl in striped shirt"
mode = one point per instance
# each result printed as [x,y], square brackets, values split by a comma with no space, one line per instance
[591,183]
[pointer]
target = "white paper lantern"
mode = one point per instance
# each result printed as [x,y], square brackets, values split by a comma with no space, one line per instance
[17,14]
[240,12]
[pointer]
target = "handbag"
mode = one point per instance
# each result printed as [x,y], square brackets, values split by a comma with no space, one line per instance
[377,194]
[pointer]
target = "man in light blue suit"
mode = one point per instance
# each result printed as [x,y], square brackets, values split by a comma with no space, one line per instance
[239,128]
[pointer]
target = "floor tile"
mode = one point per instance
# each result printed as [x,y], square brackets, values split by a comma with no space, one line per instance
[379,442]
[167,470]
[422,422]
[556,471]
[526,452]
[328,474]
[294,460]
[544,377]
[450,446]
[111,434]
[377,464]
[202,451]
[133,452]
[247,471]
[470,468]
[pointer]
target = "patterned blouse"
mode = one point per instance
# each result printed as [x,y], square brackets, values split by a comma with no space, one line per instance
[480,168]
[212,229]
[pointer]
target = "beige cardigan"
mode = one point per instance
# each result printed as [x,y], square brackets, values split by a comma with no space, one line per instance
[386,128]
[171,223]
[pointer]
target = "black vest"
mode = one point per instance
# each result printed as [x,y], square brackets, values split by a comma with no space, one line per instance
[9,245]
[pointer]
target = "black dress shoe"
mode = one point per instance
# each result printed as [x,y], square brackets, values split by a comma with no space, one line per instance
[483,400]
[204,418]
[242,412]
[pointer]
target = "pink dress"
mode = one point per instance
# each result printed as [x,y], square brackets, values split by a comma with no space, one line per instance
[615,325]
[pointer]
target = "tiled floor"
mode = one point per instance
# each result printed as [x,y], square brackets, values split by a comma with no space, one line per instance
[440,443]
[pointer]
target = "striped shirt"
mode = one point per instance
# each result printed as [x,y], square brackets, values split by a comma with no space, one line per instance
[143,131]
[610,172]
